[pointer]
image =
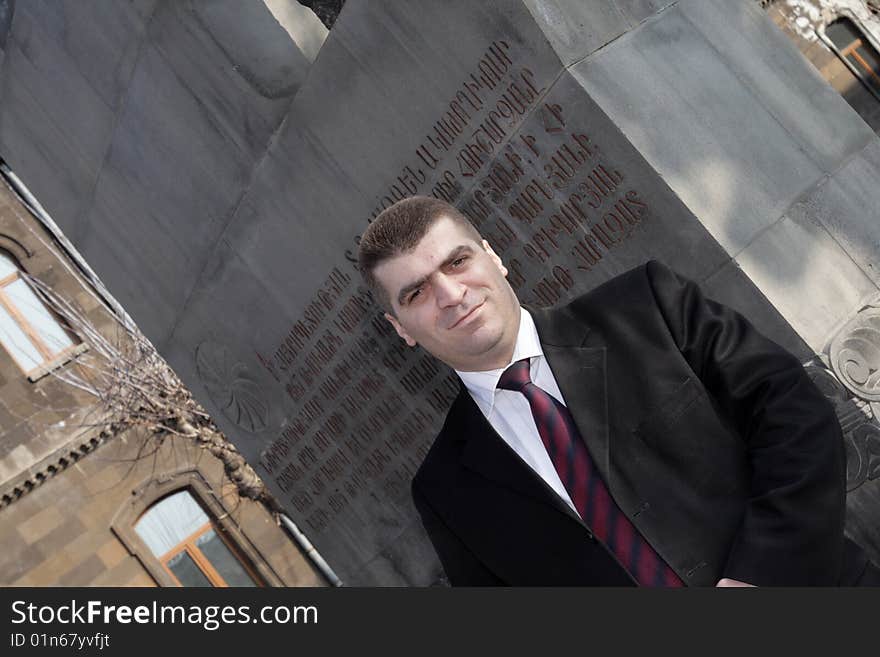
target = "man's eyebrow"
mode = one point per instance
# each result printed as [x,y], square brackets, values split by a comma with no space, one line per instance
[456,253]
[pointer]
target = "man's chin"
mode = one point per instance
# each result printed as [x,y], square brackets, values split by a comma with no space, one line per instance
[486,355]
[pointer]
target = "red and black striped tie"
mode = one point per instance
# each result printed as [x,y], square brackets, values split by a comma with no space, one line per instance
[572,461]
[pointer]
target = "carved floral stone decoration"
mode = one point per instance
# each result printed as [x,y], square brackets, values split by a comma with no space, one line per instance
[231,387]
[849,376]
[861,433]
[855,354]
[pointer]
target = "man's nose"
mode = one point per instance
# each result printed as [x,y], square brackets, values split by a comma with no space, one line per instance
[449,292]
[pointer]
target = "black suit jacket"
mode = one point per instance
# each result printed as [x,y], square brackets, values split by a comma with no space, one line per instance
[710,437]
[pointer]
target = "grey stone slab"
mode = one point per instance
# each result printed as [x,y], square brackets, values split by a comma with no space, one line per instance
[413,47]
[301,23]
[636,11]
[407,559]
[51,77]
[774,70]
[146,268]
[237,60]
[807,276]
[170,173]
[705,133]
[299,215]
[847,204]
[189,157]
[668,231]
[7,8]
[242,330]
[861,506]
[144,8]
[39,151]
[410,556]
[256,44]
[102,46]
[731,286]
[575,28]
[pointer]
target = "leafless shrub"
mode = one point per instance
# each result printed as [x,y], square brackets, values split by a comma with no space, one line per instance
[133,387]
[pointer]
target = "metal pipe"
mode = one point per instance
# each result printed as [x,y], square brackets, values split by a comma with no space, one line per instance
[311,551]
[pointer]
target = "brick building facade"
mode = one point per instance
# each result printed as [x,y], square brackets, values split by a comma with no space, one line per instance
[73,490]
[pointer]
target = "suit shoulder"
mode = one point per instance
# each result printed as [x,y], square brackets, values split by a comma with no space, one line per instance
[630,285]
[621,290]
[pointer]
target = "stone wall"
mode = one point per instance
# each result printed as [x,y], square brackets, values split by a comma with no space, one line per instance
[67,531]
[34,413]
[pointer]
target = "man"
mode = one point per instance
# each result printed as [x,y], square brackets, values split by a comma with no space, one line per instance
[639,435]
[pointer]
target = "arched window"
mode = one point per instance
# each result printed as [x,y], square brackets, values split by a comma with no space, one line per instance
[28,330]
[182,537]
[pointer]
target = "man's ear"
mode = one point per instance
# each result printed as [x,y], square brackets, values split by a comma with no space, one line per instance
[400,330]
[495,258]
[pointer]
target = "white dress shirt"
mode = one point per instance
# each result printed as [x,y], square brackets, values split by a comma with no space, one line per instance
[508,411]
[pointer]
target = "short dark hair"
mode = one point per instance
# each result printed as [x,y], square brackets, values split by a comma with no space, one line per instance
[399,229]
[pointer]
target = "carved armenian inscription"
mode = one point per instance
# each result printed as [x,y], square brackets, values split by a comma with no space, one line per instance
[364,406]
[555,207]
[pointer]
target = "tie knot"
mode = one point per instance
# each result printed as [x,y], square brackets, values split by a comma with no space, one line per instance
[516,376]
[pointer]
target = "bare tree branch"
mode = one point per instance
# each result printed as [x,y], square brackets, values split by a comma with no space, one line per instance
[133,386]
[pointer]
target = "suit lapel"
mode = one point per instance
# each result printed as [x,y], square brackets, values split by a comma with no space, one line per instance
[577,358]
[487,454]
[580,374]
[578,363]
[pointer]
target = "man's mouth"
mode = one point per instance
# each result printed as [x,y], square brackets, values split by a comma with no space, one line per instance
[466,316]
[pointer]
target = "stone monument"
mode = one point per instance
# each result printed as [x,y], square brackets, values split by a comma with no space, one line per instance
[221,197]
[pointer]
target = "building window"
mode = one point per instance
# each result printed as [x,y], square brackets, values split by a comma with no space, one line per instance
[182,537]
[28,330]
[855,49]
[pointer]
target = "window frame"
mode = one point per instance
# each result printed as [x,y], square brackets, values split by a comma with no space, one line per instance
[866,38]
[204,564]
[153,490]
[48,357]
[50,360]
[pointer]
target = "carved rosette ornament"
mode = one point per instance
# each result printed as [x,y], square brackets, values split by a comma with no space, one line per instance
[231,387]
[855,355]
[861,432]
[863,459]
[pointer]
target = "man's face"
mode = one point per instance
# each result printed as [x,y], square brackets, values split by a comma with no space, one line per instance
[450,296]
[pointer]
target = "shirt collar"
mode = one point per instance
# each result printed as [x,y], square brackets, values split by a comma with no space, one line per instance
[482,385]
